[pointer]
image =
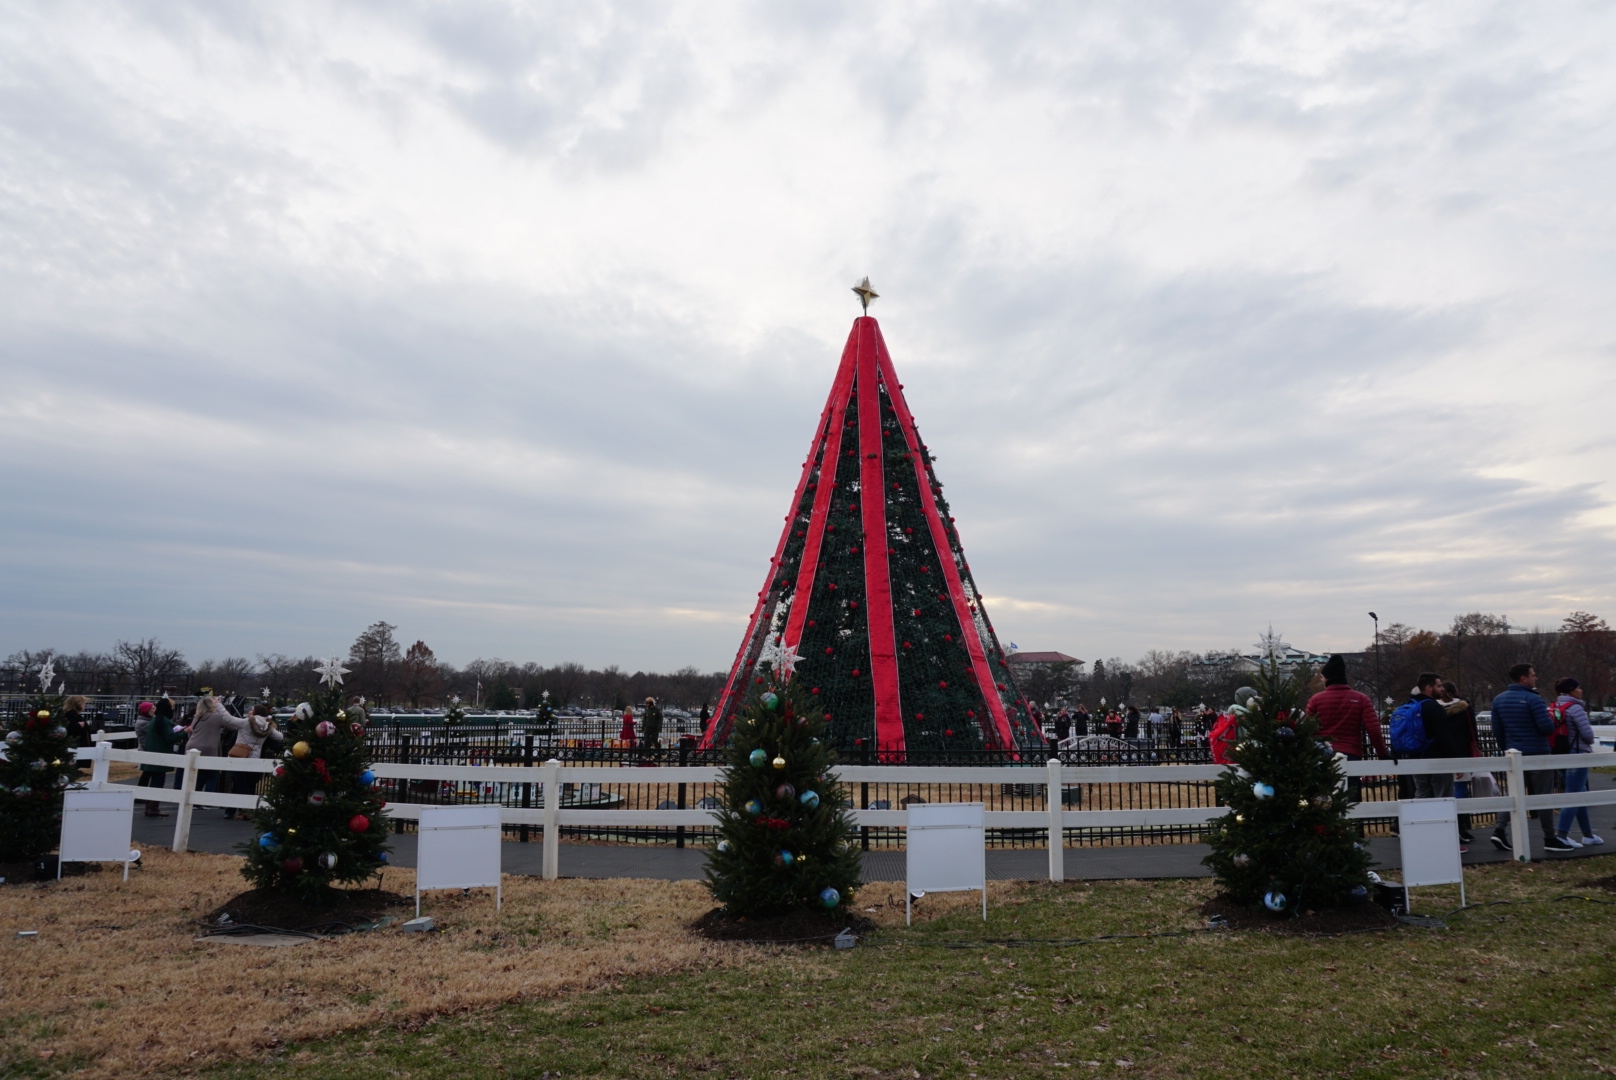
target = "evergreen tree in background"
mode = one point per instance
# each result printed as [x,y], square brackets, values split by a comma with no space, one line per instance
[1286,841]
[786,834]
[39,765]
[320,822]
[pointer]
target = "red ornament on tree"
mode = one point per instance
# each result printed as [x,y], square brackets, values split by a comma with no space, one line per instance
[358,823]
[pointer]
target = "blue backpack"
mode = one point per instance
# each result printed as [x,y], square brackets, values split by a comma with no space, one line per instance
[1408,730]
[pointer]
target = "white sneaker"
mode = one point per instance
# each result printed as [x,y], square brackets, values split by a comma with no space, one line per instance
[1565,838]
[1590,840]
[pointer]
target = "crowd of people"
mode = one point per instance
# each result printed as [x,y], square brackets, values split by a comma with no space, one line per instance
[1436,722]
[214,727]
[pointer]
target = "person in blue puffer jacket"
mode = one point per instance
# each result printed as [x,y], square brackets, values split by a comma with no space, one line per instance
[1521,722]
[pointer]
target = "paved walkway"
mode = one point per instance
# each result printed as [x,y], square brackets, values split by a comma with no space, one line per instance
[212,833]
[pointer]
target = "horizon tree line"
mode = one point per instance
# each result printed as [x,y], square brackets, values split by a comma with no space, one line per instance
[1476,650]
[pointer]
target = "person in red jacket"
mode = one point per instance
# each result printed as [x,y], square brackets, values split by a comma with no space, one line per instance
[1346,717]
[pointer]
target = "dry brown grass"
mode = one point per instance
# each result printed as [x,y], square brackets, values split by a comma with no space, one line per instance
[116,985]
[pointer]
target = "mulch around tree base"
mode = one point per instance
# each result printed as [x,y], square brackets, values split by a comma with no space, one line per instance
[266,907]
[1353,919]
[805,926]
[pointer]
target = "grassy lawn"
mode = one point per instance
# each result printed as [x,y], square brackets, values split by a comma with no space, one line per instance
[1509,990]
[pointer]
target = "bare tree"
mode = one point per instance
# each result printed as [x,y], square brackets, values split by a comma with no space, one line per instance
[148,664]
[1589,650]
[232,675]
[420,675]
[375,658]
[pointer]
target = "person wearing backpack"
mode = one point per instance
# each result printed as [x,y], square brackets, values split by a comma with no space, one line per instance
[1521,721]
[1421,729]
[1571,715]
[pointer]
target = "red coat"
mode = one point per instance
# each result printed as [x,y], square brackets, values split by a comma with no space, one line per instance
[1345,717]
[627,734]
[1222,738]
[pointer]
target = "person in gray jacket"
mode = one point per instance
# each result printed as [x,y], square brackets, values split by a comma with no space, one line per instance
[1581,731]
[1521,721]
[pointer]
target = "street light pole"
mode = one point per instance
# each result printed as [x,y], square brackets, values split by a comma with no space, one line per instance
[1372,615]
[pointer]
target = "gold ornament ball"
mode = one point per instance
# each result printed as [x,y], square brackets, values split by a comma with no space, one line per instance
[44,714]
[779,762]
[56,761]
[1240,818]
[1301,804]
[342,714]
[300,750]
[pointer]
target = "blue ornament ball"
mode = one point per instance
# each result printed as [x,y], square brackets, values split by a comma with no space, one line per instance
[758,759]
[830,897]
[810,799]
[1359,892]
[1285,732]
[1262,790]
[382,855]
[367,778]
[785,793]
[268,841]
[771,701]
[785,858]
[724,846]
[753,807]
[1274,901]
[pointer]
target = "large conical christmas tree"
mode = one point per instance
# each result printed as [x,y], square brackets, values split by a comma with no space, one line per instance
[870,588]
[38,766]
[1286,841]
[784,827]
[320,823]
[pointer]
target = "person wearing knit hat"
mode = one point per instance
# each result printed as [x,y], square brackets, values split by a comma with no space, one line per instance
[1346,717]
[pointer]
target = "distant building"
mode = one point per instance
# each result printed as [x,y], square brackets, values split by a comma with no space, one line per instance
[1026,663]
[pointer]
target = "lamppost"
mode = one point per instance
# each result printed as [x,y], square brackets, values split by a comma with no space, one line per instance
[1372,615]
[1458,657]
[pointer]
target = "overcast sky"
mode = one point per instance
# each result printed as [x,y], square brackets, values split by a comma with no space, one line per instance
[509,324]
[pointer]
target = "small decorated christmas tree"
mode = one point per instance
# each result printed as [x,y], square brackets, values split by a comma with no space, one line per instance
[39,765]
[785,831]
[1286,842]
[321,821]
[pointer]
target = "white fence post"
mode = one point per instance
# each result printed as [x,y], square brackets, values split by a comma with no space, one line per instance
[98,771]
[182,812]
[1057,830]
[552,830]
[1520,837]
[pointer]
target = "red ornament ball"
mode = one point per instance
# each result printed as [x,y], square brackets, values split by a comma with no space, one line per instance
[280,770]
[357,728]
[325,729]
[942,685]
[359,823]
[294,865]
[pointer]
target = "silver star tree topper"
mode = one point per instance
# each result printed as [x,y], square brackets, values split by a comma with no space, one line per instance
[331,672]
[1273,646]
[46,675]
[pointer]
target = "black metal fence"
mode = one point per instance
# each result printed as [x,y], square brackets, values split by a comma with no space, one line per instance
[503,743]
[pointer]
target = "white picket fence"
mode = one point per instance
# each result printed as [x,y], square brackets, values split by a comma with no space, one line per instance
[549,778]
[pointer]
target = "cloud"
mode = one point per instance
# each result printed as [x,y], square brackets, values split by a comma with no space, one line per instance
[510,323]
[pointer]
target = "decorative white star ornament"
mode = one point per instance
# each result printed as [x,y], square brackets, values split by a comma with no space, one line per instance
[866,294]
[331,672]
[1273,646]
[46,674]
[783,657]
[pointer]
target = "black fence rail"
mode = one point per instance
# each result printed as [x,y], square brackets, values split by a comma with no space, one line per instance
[504,744]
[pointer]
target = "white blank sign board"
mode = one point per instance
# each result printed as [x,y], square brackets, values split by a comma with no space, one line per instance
[1429,831]
[947,851]
[96,827]
[458,849]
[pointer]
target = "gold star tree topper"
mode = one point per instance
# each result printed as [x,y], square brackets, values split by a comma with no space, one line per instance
[865,294]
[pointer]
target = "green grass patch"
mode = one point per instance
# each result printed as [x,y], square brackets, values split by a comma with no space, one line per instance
[1516,989]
